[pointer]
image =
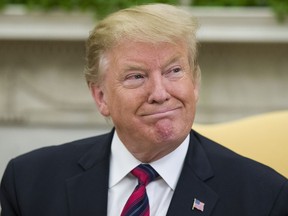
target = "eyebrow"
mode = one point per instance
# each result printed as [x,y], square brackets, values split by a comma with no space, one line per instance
[133,67]
[141,67]
[172,60]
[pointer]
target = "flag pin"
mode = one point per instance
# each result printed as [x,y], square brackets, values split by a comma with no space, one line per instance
[197,204]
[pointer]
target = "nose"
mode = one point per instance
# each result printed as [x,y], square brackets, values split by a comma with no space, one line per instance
[157,89]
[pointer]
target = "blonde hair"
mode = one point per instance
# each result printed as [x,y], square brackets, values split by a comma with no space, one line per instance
[151,23]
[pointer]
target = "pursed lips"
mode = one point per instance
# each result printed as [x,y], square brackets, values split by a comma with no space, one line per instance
[161,112]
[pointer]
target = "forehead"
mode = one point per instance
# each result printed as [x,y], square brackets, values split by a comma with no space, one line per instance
[133,51]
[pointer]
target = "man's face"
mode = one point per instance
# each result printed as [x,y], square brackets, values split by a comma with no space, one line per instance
[149,93]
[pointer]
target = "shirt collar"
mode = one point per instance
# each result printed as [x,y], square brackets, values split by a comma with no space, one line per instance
[169,167]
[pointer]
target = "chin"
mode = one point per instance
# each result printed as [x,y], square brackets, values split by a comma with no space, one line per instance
[170,134]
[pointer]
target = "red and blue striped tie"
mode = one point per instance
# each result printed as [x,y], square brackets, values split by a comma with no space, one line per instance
[138,203]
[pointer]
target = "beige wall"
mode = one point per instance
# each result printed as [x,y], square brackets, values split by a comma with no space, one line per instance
[242,79]
[42,82]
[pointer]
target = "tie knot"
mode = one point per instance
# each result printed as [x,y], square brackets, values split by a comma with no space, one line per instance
[145,173]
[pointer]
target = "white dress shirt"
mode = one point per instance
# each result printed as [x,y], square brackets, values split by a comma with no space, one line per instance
[122,183]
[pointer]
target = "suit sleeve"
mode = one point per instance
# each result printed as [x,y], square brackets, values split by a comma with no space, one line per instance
[280,207]
[8,194]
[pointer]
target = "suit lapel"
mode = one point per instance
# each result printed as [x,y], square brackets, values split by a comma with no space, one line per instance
[192,183]
[88,192]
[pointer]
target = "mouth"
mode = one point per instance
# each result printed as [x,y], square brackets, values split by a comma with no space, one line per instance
[161,112]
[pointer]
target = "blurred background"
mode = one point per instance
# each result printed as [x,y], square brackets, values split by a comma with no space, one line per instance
[44,99]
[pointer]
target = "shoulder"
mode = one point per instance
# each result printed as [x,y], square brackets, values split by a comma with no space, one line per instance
[231,167]
[223,157]
[239,179]
[76,147]
[41,175]
[65,155]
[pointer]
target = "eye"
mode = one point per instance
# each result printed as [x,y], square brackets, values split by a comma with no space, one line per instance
[134,76]
[133,80]
[176,70]
[174,73]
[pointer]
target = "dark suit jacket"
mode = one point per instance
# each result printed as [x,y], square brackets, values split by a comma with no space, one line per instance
[72,179]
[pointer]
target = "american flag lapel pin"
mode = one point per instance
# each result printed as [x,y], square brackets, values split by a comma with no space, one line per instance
[197,204]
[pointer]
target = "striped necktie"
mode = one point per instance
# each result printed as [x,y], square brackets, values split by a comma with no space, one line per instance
[138,203]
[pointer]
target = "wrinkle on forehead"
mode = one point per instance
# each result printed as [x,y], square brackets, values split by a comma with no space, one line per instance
[146,54]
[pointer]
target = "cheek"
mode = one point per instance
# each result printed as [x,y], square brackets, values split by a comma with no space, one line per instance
[122,102]
[185,91]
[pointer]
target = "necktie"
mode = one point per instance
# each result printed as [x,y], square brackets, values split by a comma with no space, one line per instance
[138,203]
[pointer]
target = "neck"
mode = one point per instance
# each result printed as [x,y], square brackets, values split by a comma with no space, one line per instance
[148,155]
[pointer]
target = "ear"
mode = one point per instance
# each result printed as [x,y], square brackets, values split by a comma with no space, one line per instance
[100,98]
[196,91]
[197,83]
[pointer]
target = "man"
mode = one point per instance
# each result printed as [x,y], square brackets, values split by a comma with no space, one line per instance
[143,74]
